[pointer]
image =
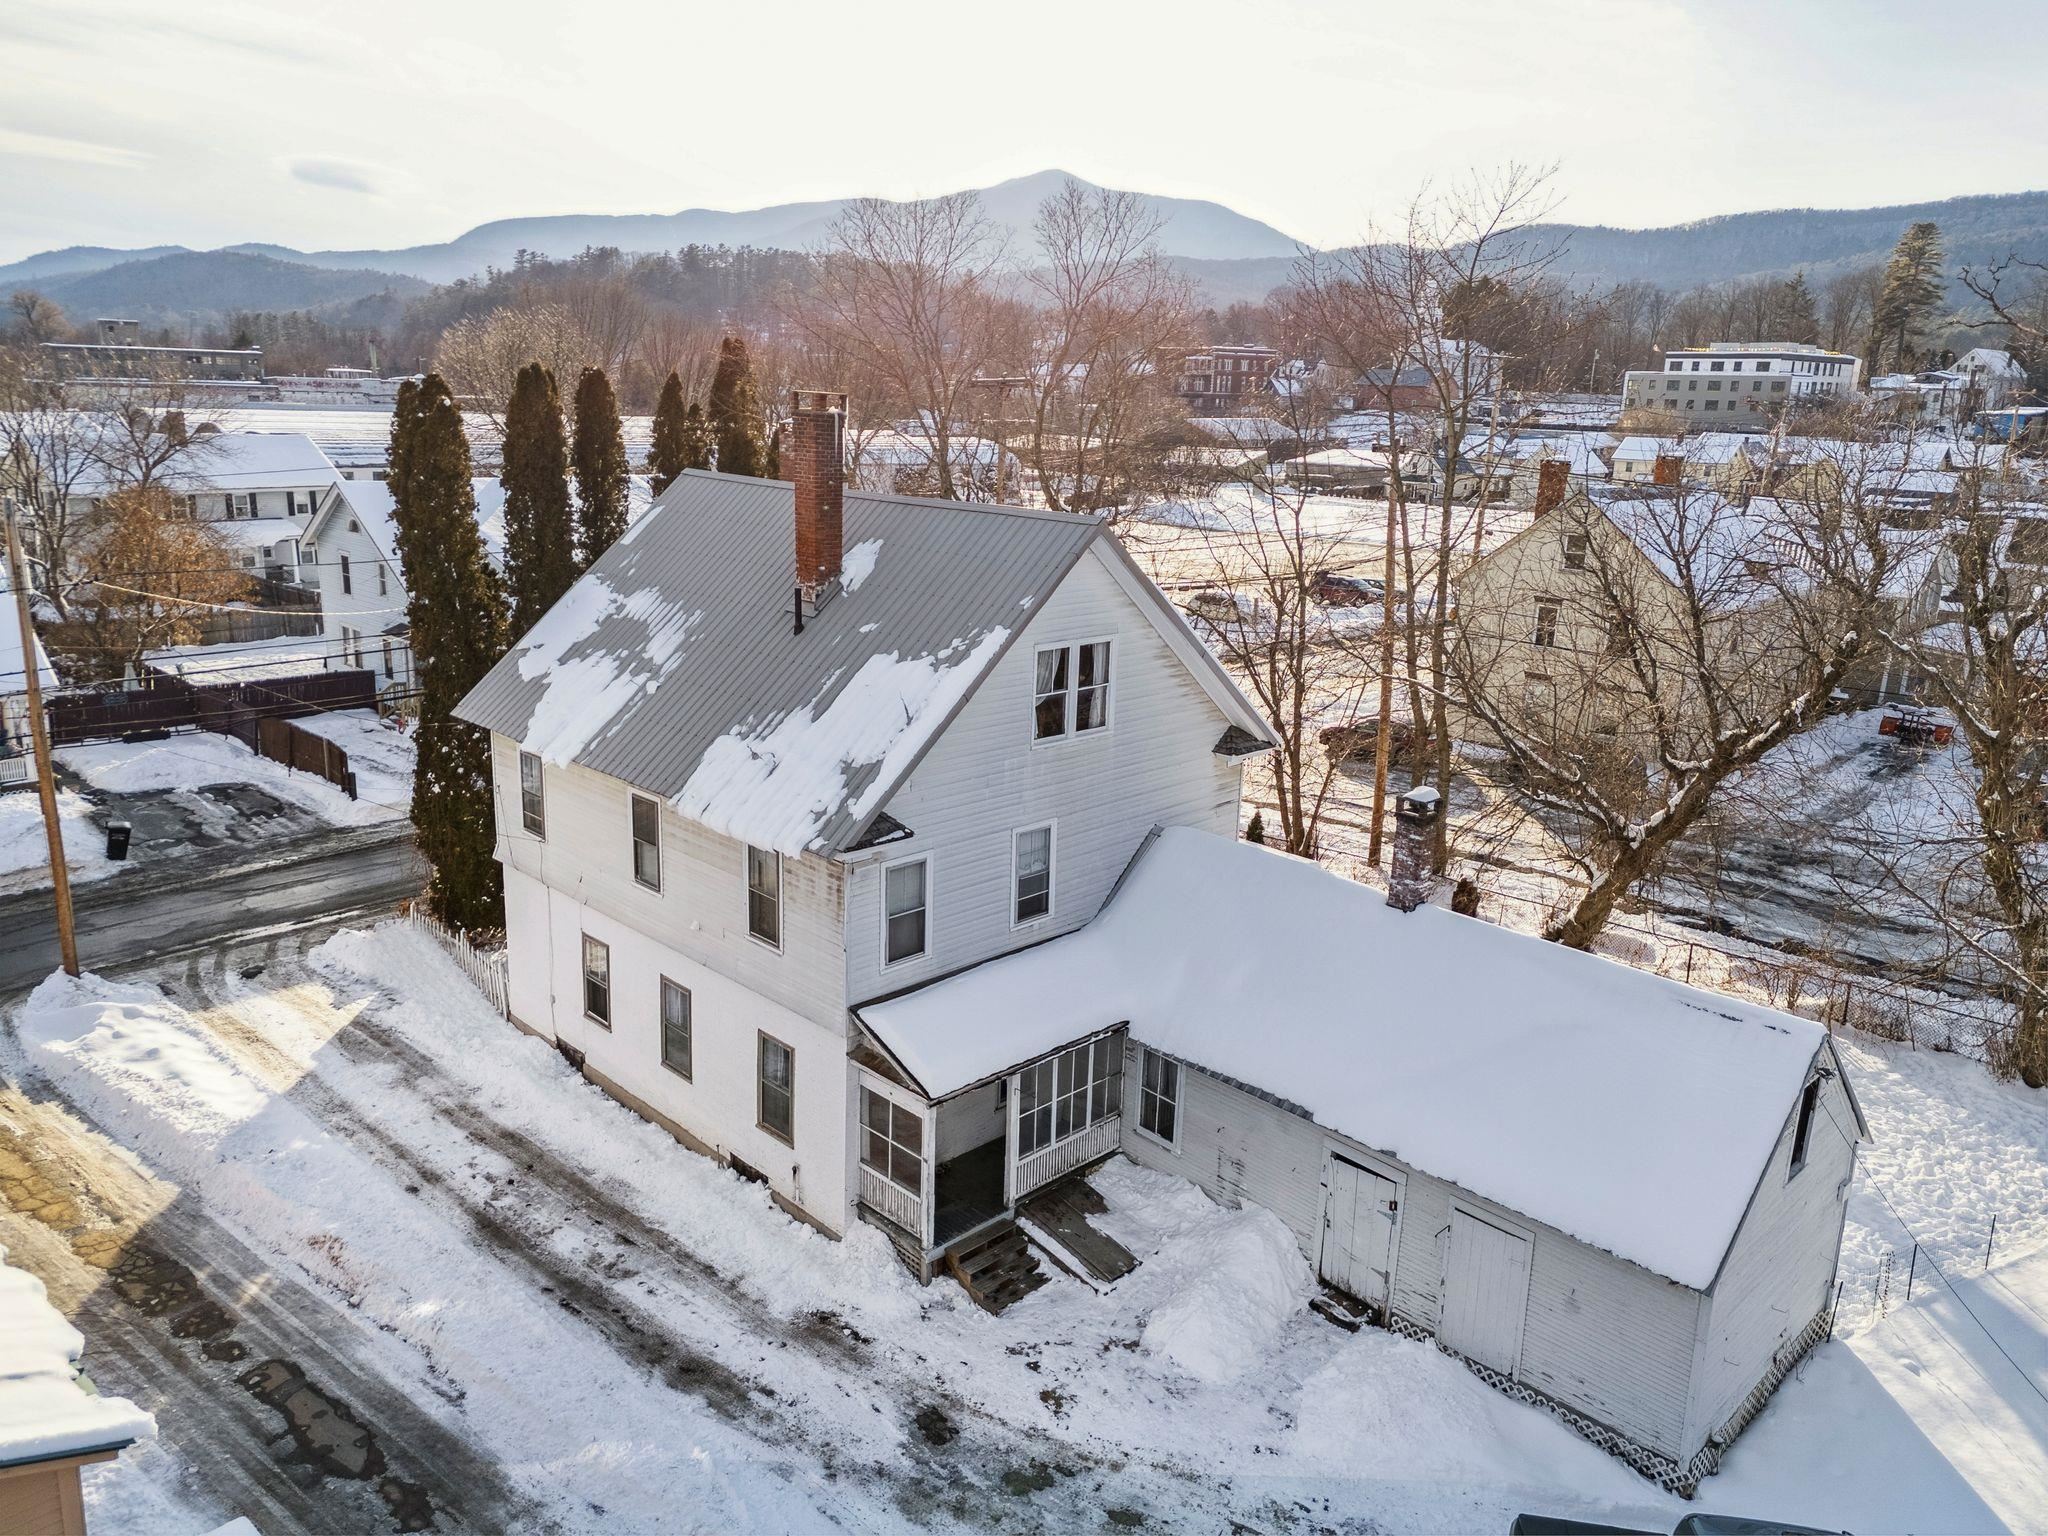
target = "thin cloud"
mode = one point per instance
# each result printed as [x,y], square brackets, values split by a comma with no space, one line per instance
[342,175]
[50,146]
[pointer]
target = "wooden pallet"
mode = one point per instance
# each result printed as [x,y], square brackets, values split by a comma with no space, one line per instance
[995,1266]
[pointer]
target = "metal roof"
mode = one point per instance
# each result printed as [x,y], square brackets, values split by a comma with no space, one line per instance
[681,637]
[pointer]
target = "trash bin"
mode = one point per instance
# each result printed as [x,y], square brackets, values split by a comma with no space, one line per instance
[117,839]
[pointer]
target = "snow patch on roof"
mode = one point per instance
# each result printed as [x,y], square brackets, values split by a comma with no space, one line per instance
[858,564]
[776,787]
[588,692]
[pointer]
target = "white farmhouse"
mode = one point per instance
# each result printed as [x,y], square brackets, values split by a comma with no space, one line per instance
[885,848]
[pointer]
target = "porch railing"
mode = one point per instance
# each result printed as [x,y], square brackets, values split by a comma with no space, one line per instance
[1048,1163]
[886,1197]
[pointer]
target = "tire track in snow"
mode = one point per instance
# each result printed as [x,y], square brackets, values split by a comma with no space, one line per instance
[974,1467]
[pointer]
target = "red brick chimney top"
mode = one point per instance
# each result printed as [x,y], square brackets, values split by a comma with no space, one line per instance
[816,462]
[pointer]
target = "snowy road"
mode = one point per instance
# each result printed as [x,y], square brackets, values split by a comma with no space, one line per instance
[204,898]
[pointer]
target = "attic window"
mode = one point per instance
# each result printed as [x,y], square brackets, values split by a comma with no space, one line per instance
[1802,1134]
[1071,693]
[1575,551]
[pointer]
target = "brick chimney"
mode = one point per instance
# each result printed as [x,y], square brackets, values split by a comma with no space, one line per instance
[1668,468]
[1553,479]
[815,458]
[1409,880]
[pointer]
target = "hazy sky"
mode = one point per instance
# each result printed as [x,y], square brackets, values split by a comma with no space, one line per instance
[346,123]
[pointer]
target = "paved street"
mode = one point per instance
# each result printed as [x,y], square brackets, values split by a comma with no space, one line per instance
[327,874]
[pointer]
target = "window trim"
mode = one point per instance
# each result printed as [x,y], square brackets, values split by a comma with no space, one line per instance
[1545,639]
[527,815]
[1177,1100]
[1070,729]
[688,1070]
[634,800]
[762,1039]
[1051,829]
[602,1020]
[747,852]
[882,938]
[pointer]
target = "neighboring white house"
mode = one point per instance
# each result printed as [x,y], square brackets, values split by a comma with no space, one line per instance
[17,760]
[829,825]
[351,547]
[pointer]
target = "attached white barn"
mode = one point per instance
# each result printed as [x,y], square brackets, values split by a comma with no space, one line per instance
[1608,1192]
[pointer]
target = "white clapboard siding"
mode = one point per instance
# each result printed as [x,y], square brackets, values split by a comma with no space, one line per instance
[1486,1292]
[1601,1335]
[1781,1265]
[701,908]
[1102,792]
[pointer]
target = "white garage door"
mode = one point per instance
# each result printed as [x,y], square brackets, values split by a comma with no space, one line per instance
[1486,1291]
[1358,1231]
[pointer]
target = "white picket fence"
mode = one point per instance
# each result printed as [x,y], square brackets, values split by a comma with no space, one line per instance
[488,968]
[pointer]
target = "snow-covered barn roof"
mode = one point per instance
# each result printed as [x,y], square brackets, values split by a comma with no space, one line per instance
[46,1412]
[1627,1110]
[673,665]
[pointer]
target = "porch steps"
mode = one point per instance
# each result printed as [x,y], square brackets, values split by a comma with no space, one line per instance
[995,1266]
[1057,1218]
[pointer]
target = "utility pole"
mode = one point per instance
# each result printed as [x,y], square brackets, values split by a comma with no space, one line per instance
[39,732]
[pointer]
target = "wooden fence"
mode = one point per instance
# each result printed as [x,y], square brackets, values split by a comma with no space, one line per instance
[488,968]
[298,748]
[164,704]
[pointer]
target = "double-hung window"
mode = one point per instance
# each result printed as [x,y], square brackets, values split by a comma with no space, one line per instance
[533,808]
[1031,858]
[597,981]
[764,895]
[1547,610]
[1159,1098]
[777,1101]
[1062,1096]
[905,902]
[1575,547]
[347,582]
[675,1027]
[892,1141]
[647,842]
[1070,695]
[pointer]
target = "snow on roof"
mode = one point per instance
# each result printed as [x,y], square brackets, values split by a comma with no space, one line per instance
[372,504]
[243,662]
[45,1410]
[1629,1111]
[673,664]
[235,461]
[1644,449]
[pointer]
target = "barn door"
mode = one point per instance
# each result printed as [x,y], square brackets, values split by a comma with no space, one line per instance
[1486,1292]
[1358,1231]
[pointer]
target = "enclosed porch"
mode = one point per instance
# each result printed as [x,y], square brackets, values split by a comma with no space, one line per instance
[940,1172]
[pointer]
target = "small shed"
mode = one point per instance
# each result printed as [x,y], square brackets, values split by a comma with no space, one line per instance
[52,1420]
[1612,1195]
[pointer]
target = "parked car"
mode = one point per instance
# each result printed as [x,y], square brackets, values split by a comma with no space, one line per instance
[1219,606]
[1361,738]
[1338,591]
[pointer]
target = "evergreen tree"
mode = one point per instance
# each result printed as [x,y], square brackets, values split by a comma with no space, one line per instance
[667,455]
[733,410]
[696,439]
[1255,830]
[1911,294]
[540,554]
[771,465]
[1793,317]
[598,452]
[455,610]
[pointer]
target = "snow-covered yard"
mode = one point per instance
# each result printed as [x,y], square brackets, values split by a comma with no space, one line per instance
[24,845]
[502,1240]
[381,756]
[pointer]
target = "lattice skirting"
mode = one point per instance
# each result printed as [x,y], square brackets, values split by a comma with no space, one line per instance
[1660,1469]
[905,1244]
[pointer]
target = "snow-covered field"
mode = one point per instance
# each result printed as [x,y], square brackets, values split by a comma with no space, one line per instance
[380,755]
[1197,1392]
